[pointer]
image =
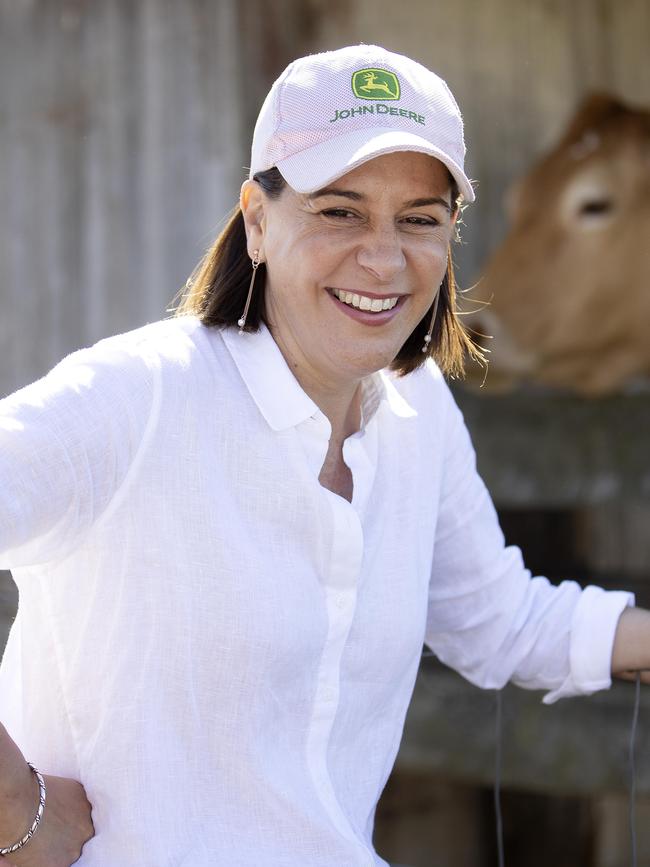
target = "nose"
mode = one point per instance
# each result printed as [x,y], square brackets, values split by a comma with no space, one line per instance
[381,253]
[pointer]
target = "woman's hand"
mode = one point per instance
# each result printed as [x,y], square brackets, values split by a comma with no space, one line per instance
[632,675]
[631,652]
[65,827]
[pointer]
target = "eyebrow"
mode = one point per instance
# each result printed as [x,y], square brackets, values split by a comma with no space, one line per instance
[358,197]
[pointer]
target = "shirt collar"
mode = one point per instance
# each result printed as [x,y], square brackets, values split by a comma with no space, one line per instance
[278,394]
[395,401]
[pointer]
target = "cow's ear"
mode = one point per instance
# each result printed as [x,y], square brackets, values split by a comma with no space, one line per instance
[590,114]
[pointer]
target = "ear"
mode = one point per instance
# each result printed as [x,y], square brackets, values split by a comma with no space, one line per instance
[253,207]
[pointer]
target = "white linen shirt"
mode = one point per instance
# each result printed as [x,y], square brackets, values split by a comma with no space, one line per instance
[219,648]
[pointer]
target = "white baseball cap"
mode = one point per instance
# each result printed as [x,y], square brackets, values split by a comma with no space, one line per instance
[328,113]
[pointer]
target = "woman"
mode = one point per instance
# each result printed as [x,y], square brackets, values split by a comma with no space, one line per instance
[233,530]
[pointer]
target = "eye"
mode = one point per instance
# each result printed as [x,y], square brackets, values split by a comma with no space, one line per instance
[596,207]
[594,211]
[422,220]
[588,202]
[340,213]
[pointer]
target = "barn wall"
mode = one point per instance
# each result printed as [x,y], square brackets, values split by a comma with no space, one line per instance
[121,152]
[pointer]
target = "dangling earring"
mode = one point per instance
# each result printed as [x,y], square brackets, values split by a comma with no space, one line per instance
[427,336]
[255,261]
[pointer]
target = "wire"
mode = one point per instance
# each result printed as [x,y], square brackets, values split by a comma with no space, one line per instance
[498,760]
[498,736]
[635,720]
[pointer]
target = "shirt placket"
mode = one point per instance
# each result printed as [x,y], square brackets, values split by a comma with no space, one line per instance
[339,584]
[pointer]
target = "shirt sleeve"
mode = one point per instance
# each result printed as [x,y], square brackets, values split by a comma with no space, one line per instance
[68,443]
[487,616]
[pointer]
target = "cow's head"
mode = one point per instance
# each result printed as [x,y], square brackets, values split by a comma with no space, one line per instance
[570,285]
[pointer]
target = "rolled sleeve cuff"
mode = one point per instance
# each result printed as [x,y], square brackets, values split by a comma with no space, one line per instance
[593,628]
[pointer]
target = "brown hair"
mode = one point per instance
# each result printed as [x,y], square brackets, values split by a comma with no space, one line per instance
[216,293]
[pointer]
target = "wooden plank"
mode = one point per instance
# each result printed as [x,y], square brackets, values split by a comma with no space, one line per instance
[551,450]
[576,746]
[419,815]
[612,844]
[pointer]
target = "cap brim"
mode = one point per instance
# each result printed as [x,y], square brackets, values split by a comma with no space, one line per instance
[317,166]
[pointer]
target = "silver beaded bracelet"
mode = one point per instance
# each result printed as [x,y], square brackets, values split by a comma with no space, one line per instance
[39,815]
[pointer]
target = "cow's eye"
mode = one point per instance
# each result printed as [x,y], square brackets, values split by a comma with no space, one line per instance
[589,202]
[596,208]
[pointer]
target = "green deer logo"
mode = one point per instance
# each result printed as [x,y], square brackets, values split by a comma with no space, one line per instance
[375,84]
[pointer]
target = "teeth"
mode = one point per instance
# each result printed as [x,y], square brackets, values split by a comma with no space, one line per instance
[362,302]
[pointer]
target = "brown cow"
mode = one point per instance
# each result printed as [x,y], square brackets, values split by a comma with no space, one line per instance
[571,282]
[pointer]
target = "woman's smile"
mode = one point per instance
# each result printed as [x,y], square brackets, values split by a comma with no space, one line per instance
[367,308]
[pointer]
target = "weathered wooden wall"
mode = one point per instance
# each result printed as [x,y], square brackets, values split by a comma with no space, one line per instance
[121,150]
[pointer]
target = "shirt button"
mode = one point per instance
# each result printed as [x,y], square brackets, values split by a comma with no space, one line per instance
[340,601]
[328,694]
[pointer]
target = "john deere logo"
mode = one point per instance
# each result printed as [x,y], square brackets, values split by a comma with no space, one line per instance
[375,84]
